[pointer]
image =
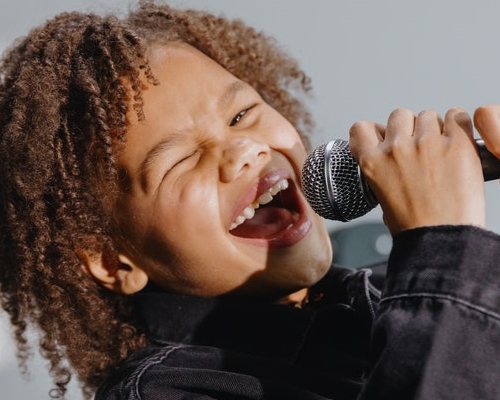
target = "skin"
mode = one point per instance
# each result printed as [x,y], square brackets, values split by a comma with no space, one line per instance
[423,170]
[208,147]
[487,122]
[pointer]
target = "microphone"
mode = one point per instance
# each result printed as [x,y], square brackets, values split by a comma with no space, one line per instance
[337,190]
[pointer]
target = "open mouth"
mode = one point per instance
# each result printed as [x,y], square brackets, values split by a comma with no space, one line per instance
[273,212]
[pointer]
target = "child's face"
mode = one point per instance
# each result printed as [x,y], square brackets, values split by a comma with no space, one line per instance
[208,148]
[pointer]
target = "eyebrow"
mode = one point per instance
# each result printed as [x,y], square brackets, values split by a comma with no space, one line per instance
[230,93]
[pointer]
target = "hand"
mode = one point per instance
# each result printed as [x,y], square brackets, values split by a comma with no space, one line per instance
[423,170]
[487,122]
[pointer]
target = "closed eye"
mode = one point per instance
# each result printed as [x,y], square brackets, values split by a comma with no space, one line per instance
[182,160]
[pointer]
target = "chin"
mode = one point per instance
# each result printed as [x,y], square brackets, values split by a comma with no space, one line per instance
[314,272]
[307,267]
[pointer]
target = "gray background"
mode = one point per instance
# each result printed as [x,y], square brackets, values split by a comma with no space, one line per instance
[365,58]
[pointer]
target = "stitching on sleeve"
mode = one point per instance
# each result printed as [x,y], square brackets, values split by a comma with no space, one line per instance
[451,298]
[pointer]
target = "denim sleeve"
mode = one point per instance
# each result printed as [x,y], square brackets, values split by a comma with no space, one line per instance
[436,333]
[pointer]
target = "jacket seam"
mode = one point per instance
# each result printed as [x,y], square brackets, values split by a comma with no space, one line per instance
[448,297]
[148,363]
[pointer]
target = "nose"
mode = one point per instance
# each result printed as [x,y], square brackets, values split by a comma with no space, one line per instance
[241,153]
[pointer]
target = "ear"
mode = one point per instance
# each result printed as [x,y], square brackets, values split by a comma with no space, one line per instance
[117,273]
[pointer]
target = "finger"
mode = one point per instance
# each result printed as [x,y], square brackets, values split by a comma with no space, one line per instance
[364,136]
[428,123]
[400,124]
[487,122]
[458,121]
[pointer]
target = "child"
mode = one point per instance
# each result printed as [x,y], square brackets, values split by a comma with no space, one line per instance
[155,233]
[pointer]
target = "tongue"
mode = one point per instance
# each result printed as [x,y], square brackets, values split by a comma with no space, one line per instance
[267,222]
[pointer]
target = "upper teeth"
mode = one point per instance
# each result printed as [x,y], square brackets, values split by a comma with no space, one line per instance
[264,198]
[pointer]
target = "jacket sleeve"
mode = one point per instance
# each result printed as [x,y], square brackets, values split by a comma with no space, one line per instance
[436,334]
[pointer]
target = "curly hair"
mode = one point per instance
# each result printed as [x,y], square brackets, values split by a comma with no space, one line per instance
[64,93]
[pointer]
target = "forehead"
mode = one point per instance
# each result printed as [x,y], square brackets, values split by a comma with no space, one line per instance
[177,60]
[185,76]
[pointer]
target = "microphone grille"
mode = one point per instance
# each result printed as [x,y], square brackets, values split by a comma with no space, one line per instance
[332,183]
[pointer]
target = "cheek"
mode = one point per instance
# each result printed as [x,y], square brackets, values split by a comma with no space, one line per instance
[190,208]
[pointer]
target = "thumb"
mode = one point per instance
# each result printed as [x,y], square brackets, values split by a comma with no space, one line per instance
[487,123]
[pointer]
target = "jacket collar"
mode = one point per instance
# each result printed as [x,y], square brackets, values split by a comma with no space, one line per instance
[255,327]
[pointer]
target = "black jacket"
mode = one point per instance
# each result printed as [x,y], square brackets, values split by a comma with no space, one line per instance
[434,333]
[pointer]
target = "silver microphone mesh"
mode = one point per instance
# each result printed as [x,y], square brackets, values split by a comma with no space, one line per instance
[333,183]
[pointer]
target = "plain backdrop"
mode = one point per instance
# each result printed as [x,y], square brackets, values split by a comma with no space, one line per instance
[365,58]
